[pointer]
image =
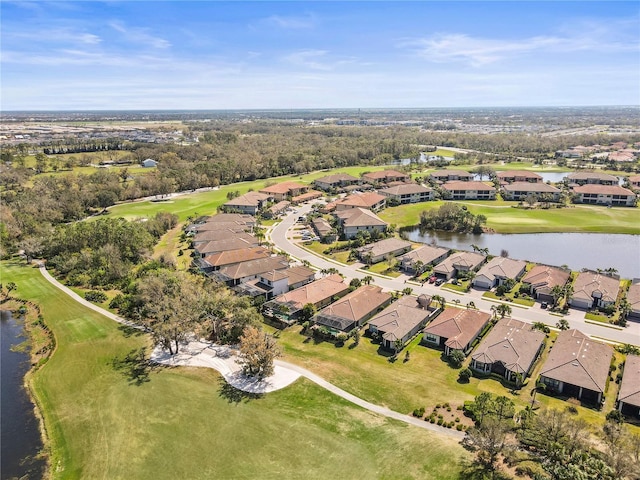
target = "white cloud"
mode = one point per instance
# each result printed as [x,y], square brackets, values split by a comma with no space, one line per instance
[139,35]
[479,51]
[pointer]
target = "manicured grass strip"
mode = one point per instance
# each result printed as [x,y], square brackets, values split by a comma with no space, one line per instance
[186,422]
[603,324]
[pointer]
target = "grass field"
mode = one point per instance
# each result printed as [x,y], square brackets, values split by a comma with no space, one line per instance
[503,218]
[186,423]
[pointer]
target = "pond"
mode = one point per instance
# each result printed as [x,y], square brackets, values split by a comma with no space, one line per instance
[577,250]
[19,430]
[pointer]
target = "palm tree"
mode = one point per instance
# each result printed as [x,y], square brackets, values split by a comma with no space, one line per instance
[367,280]
[503,310]
[442,302]
[471,305]
[557,292]
[563,324]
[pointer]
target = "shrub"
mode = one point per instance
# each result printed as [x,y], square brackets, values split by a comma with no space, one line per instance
[457,420]
[95,296]
[432,419]
[438,405]
[572,409]
[440,421]
[465,374]
[459,427]
[418,412]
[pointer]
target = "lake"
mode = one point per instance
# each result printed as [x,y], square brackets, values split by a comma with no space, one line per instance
[19,430]
[577,250]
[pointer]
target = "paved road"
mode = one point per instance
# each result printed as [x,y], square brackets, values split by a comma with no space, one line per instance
[218,357]
[280,237]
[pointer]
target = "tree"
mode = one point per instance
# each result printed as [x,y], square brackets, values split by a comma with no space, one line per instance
[308,311]
[440,300]
[257,353]
[503,310]
[367,280]
[172,305]
[490,439]
[457,357]
[563,324]
[464,375]
[355,283]
[41,162]
[557,292]
[398,345]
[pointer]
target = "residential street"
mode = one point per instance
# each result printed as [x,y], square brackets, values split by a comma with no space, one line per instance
[280,237]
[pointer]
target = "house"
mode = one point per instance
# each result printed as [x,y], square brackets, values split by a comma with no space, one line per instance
[287,307]
[368,200]
[218,260]
[248,203]
[633,299]
[593,289]
[276,282]
[470,190]
[614,195]
[335,181]
[451,176]
[233,275]
[278,209]
[217,227]
[577,367]
[629,394]
[360,220]
[285,190]
[324,230]
[242,219]
[234,243]
[354,309]
[306,197]
[622,156]
[510,349]
[497,271]
[426,255]
[378,251]
[634,182]
[591,178]
[519,191]
[400,321]
[515,176]
[149,163]
[385,176]
[224,234]
[541,279]
[455,329]
[459,262]
[408,193]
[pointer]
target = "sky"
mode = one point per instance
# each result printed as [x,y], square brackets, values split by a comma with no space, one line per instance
[139,55]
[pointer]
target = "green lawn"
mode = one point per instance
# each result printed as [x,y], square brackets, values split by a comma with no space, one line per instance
[383,269]
[184,422]
[503,218]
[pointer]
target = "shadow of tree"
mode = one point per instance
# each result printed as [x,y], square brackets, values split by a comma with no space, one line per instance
[234,395]
[129,331]
[135,366]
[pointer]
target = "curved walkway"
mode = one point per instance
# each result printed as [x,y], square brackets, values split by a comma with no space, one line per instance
[223,359]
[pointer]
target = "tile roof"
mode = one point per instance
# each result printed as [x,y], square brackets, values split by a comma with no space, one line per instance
[400,318]
[467,260]
[337,178]
[587,283]
[545,276]
[633,297]
[362,200]
[575,176]
[299,274]
[511,342]
[382,247]
[472,185]
[310,195]
[249,199]
[603,189]
[231,217]
[384,174]
[235,243]
[230,257]
[322,226]
[458,326]
[578,360]
[223,234]
[254,267]
[353,307]
[630,385]
[284,187]
[518,173]
[502,267]
[425,254]
[360,217]
[406,189]
[451,173]
[314,292]
[209,226]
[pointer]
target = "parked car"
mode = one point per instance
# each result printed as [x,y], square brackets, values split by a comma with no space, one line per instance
[544,305]
[432,279]
[439,282]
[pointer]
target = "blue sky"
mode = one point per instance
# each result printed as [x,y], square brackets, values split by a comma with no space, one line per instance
[236,55]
